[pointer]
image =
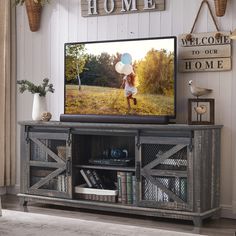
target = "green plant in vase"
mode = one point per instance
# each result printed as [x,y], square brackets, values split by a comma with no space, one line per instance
[42,89]
[39,111]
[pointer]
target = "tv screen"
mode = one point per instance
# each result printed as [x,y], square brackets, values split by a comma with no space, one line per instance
[126,80]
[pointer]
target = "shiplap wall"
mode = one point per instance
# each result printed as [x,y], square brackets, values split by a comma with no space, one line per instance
[41,54]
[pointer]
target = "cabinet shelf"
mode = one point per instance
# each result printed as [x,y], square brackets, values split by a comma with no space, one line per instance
[98,167]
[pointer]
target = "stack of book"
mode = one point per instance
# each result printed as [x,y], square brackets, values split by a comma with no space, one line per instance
[95,187]
[126,184]
[92,179]
[62,183]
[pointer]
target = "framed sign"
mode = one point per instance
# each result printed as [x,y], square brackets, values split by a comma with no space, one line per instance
[114,7]
[205,52]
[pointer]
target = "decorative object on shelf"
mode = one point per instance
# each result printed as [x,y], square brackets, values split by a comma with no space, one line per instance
[46,116]
[39,107]
[205,51]
[34,11]
[119,153]
[198,91]
[39,91]
[201,111]
[233,35]
[220,7]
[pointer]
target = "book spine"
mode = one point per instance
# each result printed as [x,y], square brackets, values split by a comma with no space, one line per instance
[159,195]
[97,179]
[66,183]
[119,186]
[92,179]
[123,188]
[86,178]
[59,183]
[63,183]
[134,189]
[165,195]
[171,184]
[129,189]
[145,189]
[177,186]
[183,189]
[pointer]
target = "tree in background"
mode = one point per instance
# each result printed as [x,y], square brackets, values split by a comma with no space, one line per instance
[155,73]
[99,70]
[74,62]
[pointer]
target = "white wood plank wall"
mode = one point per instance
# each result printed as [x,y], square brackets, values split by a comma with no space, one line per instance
[41,54]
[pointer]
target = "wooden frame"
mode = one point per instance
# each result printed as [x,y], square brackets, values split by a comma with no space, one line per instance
[201,111]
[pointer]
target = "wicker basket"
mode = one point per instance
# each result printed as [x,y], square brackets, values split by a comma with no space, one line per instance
[34,14]
[93,194]
[220,7]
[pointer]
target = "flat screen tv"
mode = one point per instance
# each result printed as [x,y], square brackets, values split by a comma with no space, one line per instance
[128,81]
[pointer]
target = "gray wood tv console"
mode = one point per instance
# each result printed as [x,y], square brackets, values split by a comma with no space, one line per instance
[176,167]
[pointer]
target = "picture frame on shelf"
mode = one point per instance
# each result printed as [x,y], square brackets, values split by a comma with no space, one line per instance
[201,111]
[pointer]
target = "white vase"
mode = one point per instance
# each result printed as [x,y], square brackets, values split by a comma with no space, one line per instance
[39,106]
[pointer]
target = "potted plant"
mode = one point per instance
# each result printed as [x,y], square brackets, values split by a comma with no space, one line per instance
[39,91]
[34,10]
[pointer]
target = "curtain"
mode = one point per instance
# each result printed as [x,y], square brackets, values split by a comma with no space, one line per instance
[7,94]
[234,183]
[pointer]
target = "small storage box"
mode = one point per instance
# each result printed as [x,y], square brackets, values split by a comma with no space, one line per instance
[102,195]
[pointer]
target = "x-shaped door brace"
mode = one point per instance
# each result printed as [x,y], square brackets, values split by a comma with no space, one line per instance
[159,160]
[53,174]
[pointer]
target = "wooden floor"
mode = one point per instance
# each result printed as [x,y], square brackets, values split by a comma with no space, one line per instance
[220,227]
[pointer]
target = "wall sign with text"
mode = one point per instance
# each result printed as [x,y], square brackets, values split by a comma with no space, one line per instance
[205,52]
[114,7]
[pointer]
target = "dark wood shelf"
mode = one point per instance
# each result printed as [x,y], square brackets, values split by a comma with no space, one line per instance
[98,167]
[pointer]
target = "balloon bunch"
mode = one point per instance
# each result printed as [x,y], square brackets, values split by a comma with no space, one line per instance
[124,65]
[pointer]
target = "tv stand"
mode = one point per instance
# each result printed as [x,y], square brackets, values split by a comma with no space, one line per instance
[174,173]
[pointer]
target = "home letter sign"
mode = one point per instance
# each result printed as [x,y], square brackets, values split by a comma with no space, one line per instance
[205,52]
[112,7]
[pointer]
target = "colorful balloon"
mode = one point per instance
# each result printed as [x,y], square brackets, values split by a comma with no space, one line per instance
[119,67]
[126,58]
[127,69]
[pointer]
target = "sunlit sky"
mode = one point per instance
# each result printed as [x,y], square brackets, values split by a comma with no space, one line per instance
[137,49]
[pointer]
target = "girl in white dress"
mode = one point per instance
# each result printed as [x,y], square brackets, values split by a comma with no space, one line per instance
[129,88]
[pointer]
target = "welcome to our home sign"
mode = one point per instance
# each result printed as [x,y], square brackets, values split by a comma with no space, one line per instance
[112,7]
[205,52]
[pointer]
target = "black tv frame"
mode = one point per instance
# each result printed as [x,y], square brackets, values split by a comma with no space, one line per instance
[129,119]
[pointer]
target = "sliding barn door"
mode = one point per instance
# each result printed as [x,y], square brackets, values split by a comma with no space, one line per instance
[48,164]
[165,173]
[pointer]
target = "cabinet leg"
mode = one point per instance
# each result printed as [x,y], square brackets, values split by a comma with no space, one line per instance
[216,216]
[23,204]
[197,221]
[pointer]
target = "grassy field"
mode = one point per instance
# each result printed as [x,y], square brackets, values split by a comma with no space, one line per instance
[111,101]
